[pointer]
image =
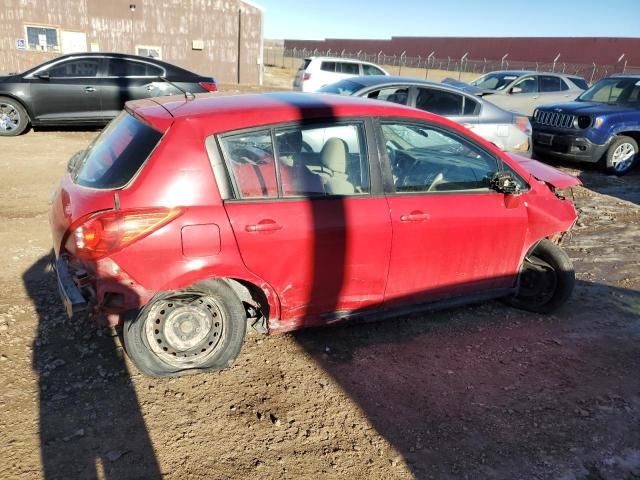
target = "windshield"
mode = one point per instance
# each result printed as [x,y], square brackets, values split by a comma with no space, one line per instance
[116,154]
[494,81]
[344,87]
[621,91]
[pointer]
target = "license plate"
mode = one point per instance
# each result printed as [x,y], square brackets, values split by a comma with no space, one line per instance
[545,138]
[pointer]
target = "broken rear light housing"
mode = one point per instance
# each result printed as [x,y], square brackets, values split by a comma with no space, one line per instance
[104,233]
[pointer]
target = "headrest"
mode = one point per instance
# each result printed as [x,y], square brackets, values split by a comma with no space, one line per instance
[334,155]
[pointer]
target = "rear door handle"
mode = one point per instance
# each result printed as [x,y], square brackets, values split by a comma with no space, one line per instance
[151,87]
[415,216]
[89,89]
[266,225]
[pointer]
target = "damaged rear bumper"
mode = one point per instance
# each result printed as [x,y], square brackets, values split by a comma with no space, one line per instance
[72,298]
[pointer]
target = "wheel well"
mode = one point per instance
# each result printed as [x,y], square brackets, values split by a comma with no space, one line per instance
[254,301]
[635,134]
[26,108]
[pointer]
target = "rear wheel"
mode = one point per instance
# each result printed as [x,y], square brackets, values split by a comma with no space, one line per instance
[14,119]
[621,155]
[197,329]
[546,279]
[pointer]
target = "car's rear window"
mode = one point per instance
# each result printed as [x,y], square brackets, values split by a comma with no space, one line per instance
[116,154]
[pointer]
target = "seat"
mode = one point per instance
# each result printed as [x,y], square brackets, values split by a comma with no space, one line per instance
[334,162]
[296,177]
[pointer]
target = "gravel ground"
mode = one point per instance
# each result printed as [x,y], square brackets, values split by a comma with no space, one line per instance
[469,393]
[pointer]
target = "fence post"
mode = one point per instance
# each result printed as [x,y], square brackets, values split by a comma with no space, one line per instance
[403,58]
[464,57]
[448,63]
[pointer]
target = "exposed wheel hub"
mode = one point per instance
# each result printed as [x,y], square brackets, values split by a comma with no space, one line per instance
[9,117]
[184,329]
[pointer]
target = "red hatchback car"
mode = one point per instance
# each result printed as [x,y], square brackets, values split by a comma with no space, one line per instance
[190,219]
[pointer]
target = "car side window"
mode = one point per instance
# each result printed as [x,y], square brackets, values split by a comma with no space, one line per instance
[527,84]
[307,161]
[79,68]
[328,66]
[322,160]
[371,70]
[428,159]
[253,169]
[439,102]
[471,107]
[119,67]
[391,94]
[350,68]
[550,84]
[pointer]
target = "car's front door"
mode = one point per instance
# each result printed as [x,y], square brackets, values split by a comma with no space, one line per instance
[310,222]
[126,79]
[452,234]
[67,90]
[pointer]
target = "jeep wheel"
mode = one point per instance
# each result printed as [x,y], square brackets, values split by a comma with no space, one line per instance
[546,279]
[14,119]
[197,329]
[621,155]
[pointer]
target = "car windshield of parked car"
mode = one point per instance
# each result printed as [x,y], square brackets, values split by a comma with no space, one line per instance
[344,87]
[494,81]
[620,91]
[116,154]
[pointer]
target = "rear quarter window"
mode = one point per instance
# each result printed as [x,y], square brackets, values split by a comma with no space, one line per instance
[580,82]
[116,155]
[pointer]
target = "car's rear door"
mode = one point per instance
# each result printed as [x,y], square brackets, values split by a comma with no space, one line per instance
[67,90]
[127,79]
[452,234]
[453,105]
[321,237]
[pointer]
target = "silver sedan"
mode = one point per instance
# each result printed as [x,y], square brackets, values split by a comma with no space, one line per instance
[508,131]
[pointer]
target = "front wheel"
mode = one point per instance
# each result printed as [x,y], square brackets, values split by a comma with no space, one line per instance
[621,155]
[197,329]
[546,279]
[14,119]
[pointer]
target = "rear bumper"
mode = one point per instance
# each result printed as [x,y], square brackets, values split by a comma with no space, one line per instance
[567,146]
[72,298]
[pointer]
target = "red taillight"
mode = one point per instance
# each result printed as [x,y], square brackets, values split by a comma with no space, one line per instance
[104,233]
[522,124]
[306,76]
[209,86]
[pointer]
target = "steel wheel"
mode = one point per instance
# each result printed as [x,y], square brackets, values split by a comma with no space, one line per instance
[623,157]
[185,330]
[10,118]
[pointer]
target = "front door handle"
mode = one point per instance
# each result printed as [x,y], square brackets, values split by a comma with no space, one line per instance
[150,87]
[415,216]
[89,89]
[266,225]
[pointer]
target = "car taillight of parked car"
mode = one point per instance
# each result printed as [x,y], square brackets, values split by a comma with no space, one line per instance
[104,233]
[523,124]
[209,86]
[306,76]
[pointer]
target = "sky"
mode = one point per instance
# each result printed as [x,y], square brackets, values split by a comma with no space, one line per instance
[316,20]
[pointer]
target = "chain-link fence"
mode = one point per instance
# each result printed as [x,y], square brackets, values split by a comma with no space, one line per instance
[457,67]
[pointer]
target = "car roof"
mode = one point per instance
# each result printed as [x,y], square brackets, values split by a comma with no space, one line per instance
[339,59]
[371,80]
[219,113]
[625,75]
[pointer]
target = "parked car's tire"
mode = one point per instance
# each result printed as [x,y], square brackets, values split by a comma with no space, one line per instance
[621,155]
[197,329]
[14,119]
[546,279]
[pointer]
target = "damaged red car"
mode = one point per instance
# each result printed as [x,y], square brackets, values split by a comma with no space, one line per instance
[189,220]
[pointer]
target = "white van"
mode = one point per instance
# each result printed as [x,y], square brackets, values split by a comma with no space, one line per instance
[316,72]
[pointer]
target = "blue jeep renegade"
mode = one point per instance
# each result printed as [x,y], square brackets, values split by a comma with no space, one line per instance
[603,123]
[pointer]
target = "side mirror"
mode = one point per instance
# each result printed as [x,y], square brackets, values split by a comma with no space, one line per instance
[515,90]
[504,182]
[43,76]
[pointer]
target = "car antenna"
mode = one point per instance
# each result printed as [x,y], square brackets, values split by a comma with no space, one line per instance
[187,95]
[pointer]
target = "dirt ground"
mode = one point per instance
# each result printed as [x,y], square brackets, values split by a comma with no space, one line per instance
[481,392]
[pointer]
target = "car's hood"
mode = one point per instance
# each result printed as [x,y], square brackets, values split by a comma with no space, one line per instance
[585,108]
[546,173]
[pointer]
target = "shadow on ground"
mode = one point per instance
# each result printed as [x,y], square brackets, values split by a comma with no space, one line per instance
[90,420]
